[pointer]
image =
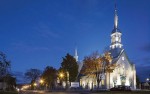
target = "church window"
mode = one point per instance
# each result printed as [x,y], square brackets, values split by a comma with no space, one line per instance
[113,47]
[123,58]
[117,39]
[119,46]
[102,82]
[113,39]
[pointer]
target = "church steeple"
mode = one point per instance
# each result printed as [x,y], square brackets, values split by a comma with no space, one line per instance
[115,18]
[116,33]
[76,54]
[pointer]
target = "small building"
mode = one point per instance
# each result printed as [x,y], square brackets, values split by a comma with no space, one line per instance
[7,83]
[145,85]
[3,85]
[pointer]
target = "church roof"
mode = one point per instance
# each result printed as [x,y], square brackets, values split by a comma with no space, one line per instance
[116,53]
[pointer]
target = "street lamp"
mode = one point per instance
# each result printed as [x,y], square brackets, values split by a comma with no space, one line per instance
[67,84]
[41,81]
[35,84]
[64,76]
[147,79]
[61,75]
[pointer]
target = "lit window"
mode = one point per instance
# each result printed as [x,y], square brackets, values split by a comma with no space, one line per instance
[102,82]
[113,46]
[122,58]
[113,39]
[117,39]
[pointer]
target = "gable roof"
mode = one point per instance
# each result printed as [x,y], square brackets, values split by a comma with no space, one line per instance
[117,55]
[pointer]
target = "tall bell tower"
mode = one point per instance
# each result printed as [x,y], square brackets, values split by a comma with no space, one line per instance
[116,33]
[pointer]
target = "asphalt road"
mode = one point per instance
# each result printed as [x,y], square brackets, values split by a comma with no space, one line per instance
[44,92]
[84,92]
[31,92]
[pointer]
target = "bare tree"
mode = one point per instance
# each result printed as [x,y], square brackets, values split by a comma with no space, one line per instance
[4,65]
[32,75]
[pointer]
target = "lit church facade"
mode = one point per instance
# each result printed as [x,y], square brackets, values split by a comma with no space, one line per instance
[123,74]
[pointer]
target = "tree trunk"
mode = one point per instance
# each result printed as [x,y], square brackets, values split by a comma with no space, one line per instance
[109,80]
[98,81]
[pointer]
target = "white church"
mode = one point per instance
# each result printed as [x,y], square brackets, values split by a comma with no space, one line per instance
[123,74]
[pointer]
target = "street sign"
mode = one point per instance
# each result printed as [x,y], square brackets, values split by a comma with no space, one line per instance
[74,84]
[103,76]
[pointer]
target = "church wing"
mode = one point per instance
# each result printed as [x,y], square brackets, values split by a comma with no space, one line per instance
[123,61]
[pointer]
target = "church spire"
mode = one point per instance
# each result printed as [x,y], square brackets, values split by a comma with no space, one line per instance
[116,17]
[76,54]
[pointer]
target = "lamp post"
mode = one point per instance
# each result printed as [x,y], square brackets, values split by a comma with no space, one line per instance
[34,85]
[61,75]
[67,84]
[41,82]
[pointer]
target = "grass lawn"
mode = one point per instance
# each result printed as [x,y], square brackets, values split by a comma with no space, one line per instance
[8,92]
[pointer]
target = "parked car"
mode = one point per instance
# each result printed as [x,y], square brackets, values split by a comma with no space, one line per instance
[121,88]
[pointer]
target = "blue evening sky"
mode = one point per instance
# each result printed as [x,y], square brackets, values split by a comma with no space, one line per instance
[38,33]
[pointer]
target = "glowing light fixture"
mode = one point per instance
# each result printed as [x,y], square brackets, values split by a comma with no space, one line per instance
[35,84]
